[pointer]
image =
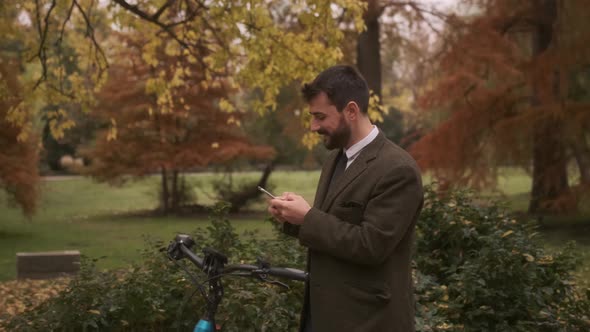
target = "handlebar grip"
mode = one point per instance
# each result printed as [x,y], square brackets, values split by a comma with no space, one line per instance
[288,273]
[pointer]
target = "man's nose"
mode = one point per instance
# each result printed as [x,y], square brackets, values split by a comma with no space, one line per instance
[314,126]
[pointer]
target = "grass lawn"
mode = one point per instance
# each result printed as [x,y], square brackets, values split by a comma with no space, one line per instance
[77,213]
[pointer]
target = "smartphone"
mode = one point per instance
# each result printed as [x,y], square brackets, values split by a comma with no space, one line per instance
[266,192]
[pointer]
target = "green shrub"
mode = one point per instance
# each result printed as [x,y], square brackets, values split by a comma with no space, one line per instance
[476,269]
[481,270]
[157,295]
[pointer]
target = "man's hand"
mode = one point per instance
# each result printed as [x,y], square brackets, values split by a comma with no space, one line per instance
[289,208]
[272,209]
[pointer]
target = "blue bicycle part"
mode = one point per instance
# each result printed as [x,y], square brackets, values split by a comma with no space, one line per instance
[204,326]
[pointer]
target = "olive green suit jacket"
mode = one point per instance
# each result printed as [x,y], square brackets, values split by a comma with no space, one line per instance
[360,233]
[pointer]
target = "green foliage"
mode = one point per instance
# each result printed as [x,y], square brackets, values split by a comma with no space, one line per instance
[476,269]
[283,128]
[259,44]
[156,295]
[481,270]
[393,125]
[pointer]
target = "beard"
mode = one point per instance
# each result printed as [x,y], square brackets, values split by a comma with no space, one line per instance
[339,138]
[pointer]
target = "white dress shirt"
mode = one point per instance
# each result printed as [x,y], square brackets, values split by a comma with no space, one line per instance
[355,149]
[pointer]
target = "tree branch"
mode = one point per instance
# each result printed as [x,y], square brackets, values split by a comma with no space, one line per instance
[42,52]
[253,26]
[150,18]
[90,34]
[160,11]
[63,27]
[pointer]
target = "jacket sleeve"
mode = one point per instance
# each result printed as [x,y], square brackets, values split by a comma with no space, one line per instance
[290,229]
[389,213]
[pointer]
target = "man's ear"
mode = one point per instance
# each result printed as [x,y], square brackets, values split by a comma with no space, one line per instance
[352,110]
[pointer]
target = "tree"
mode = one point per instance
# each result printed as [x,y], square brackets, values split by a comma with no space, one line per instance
[19,148]
[19,151]
[257,45]
[390,56]
[504,97]
[167,133]
[260,44]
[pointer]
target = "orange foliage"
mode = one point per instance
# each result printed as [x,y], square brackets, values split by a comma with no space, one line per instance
[18,159]
[194,132]
[494,91]
[17,296]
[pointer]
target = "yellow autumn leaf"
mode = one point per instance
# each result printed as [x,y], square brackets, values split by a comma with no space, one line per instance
[226,106]
[546,259]
[172,48]
[112,133]
[507,233]
[309,140]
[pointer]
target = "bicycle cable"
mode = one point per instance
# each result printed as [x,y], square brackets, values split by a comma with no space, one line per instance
[199,287]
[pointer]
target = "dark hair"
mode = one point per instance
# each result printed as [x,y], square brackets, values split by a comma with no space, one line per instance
[342,84]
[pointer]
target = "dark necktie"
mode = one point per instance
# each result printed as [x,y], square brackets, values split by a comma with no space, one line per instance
[339,169]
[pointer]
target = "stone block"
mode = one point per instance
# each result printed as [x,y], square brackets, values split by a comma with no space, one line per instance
[46,265]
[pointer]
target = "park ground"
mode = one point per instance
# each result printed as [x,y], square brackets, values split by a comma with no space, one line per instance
[110,224]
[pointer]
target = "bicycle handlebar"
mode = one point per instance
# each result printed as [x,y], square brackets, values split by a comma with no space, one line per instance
[215,262]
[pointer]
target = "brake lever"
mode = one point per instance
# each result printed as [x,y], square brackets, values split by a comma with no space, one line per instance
[263,276]
[278,283]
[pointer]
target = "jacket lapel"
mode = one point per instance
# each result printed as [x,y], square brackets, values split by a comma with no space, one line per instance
[358,166]
[325,177]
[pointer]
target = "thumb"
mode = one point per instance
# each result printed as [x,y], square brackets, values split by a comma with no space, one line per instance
[291,196]
[288,196]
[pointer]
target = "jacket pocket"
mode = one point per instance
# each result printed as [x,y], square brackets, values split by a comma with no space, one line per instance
[369,293]
[351,212]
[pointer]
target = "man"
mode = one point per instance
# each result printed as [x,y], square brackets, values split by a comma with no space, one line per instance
[360,229]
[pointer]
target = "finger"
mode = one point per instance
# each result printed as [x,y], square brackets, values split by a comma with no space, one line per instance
[277,203]
[286,194]
[275,211]
[291,197]
[295,197]
[278,216]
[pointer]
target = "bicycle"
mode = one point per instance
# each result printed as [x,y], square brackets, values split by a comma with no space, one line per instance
[214,264]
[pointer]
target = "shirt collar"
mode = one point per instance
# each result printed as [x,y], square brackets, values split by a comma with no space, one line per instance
[356,148]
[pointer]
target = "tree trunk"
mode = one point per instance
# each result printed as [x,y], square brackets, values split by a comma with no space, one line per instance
[368,58]
[239,199]
[165,194]
[175,192]
[581,153]
[266,174]
[550,183]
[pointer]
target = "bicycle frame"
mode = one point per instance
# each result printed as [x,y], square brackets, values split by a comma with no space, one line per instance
[213,263]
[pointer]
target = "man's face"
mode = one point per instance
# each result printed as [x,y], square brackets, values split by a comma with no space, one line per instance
[328,122]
